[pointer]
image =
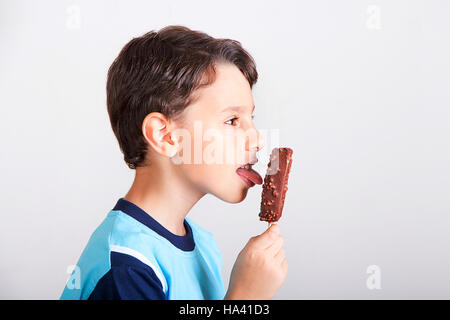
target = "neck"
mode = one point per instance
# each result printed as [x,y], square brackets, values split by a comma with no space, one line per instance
[164,194]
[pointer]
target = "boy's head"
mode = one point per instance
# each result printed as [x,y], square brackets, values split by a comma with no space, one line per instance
[169,95]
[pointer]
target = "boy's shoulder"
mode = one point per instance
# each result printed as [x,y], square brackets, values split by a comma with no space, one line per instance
[117,246]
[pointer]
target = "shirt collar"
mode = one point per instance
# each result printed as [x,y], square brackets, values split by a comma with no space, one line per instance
[185,243]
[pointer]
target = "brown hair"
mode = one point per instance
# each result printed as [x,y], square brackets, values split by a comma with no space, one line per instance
[158,72]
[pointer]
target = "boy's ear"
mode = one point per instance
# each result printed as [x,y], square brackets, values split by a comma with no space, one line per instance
[157,131]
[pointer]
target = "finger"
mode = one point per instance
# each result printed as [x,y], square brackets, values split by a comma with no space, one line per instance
[279,257]
[274,227]
[276,245]
[267,238]
[284,266]
[270,223]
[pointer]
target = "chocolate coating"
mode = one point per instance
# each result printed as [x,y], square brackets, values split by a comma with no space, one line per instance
[275,184]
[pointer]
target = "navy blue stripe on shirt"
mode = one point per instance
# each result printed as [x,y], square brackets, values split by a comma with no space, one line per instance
[128,279]
[185,243]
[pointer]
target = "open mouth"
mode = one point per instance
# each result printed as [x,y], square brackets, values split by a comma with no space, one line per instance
[250,176]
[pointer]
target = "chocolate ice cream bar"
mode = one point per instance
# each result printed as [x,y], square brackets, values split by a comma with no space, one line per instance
[275,184]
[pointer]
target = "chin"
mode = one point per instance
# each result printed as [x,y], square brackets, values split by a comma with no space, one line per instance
[236,195]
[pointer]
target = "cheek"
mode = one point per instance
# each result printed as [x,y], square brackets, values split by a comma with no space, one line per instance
[228,149]
[213,151]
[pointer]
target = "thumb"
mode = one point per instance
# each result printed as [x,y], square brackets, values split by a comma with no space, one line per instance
[266,238]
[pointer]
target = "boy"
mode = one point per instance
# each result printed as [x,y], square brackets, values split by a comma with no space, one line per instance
[162,89]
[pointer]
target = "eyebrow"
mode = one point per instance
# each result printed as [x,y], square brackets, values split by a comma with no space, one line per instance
[237,108]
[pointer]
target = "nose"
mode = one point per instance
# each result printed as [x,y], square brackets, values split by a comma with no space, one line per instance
[255,141]
[261,141]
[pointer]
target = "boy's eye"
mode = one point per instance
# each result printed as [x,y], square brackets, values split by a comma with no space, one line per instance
[233,119]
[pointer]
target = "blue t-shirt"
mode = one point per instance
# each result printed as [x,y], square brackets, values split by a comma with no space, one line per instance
[132,256]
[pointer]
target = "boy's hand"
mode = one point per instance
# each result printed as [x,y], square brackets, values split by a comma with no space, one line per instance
[260,268]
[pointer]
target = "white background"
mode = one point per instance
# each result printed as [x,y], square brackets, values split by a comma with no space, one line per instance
[358,89]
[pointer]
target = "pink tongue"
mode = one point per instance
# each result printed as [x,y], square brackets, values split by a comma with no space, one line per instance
[251,175]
